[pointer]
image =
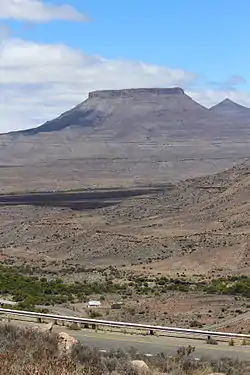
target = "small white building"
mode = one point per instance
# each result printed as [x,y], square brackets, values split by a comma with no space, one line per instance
[94,304]
[7,302]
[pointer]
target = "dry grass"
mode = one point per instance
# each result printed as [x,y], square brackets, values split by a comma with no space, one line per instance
[26,352]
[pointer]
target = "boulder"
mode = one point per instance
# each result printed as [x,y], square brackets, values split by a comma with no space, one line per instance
[48,327]
[43,328]
[140,366]
[65,342]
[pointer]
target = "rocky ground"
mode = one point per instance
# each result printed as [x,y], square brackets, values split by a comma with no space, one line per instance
[199,230]
[199,227]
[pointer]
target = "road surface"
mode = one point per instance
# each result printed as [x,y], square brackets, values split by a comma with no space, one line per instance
[148,344]
[154,345]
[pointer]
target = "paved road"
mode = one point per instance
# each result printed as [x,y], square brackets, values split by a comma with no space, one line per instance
[149,344]
[154,345]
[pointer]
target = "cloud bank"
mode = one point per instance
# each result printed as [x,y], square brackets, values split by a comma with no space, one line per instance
[39,81]
[39,11]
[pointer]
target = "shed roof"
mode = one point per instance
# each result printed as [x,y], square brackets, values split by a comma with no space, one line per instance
[7,302]
[94,303]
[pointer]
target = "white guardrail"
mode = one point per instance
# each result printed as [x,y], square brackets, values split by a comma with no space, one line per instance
[120,324]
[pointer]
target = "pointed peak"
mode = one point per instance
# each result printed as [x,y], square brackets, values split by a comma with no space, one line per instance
[229,106]
[228,101]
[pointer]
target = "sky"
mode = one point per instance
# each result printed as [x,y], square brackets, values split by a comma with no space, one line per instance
[52,53]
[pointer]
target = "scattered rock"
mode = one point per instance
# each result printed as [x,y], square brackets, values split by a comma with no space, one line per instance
[65,342]
[48,327]
[140,365]
[44,328]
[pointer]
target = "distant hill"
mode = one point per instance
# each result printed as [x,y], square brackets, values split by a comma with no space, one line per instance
[126,137]
[229,108]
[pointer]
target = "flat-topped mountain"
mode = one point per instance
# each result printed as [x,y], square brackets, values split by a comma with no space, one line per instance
[139,93]
[130,111]
[126,137]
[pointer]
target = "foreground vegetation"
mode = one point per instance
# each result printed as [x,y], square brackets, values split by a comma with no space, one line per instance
[30,291]
[27,352]
[232,285]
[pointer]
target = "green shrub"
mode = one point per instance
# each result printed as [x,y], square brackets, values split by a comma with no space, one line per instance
[74,327]
[94,314]
[30,291]
[211,341]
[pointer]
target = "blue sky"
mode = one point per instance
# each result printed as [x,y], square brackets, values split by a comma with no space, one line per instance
[209,37]
[208,41]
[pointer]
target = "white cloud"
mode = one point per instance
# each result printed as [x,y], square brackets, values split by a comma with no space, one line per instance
[229,84]
[211,97]
[4,32]
[236,80]
[39,11]
[40,81]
